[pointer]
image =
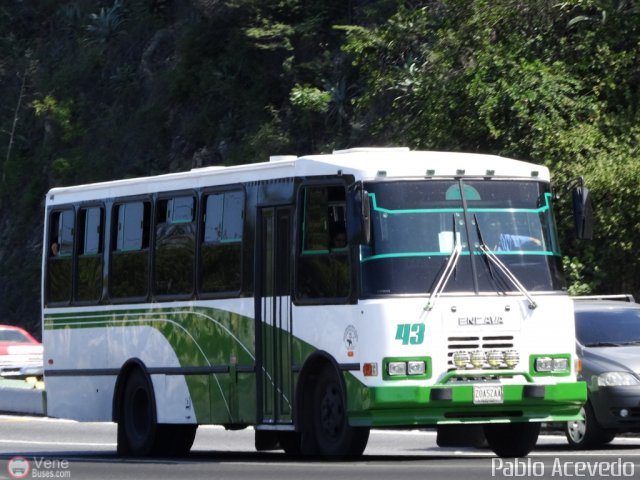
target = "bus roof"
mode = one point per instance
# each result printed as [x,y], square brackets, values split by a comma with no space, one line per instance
[362,163]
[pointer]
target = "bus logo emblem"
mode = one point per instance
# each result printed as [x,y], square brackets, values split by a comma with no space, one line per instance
[480,320]
[350,338]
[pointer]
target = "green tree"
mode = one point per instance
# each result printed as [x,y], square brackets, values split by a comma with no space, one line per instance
[554,83]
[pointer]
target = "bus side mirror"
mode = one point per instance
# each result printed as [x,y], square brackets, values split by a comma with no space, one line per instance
[582,213]
[358,216]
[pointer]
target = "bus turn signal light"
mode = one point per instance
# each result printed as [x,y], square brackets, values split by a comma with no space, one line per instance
[370,369]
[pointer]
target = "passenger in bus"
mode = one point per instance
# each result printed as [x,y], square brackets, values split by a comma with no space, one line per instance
[498,241]
[507,242]
[55,249]
[338,237]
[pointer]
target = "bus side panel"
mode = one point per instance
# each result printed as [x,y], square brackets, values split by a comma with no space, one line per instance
[94,356]
[82,398]
[85,397]
[174,402]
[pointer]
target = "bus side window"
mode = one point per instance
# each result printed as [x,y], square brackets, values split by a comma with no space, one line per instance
[323,267]
[130,233]
[175,245]
[89,263]
[65,233]
[130,252]
[60,259]
[221,248]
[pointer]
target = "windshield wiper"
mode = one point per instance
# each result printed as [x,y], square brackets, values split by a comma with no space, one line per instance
[630,342]
[444,278]
[609,344]
[503,268]
[448,270]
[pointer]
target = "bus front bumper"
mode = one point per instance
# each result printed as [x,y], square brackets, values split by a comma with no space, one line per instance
[454,404]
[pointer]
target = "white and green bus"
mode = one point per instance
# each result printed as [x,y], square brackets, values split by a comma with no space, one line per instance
[312,298]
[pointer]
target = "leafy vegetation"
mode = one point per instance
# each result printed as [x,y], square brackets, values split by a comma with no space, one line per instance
[98,90]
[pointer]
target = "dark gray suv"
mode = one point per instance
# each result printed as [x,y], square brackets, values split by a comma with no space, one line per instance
[608,343]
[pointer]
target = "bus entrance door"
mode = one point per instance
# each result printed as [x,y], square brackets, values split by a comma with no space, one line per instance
[273,316]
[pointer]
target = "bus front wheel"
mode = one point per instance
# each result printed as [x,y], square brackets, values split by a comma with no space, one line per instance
[512,439]
[332,434]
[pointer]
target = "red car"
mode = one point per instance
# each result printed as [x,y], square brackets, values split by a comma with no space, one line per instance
[20,353]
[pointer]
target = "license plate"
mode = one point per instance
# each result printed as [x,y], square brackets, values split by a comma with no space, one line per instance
[488,394]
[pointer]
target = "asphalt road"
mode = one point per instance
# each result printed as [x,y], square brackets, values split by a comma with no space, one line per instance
[64,449]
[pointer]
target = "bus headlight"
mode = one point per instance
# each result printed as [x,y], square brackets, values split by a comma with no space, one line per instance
[552,364]
[511,358]
[397,368]
[409,368]
[543,364]
[415,368]
[560,364]
[478,358]
[495,358]
[461,359]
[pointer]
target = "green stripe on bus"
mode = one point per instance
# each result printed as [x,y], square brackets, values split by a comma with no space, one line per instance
[541,209]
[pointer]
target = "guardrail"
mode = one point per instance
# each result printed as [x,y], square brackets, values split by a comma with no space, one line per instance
[23,396]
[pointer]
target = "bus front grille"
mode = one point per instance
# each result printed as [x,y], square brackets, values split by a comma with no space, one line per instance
[472,344]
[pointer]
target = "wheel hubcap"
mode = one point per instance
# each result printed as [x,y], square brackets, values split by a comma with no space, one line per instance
[140,411]
[331,412]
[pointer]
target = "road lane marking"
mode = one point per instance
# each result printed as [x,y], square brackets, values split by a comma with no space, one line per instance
[66,444]
[25,418]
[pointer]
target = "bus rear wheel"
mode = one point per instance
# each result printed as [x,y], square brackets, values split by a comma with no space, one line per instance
[512,439]
[174,440]
[137,426]
[332,434]
[139,434]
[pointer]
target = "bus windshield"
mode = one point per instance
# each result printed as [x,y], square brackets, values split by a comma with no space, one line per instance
[415,226]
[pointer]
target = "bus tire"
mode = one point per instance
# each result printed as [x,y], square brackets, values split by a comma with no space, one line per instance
[290,442]
[137,425]
[333,436]
[174,440]
[512,439]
